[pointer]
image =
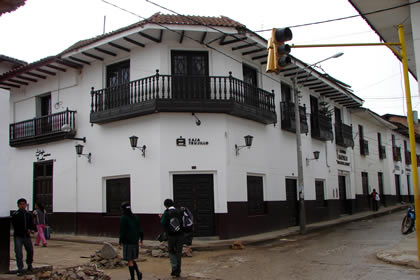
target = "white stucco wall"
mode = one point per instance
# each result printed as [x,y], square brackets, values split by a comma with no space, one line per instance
[5,204]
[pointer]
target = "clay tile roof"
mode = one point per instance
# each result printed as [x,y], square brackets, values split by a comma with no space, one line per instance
[159,18]
[8,6]
[12,60]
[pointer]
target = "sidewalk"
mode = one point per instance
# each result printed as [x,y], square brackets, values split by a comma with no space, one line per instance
[405,253]
[202,244]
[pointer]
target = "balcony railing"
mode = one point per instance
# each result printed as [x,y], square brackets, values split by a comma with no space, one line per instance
[382,152]
[407,156]
[43,129]
[321,127]
[344,135]
[288,121]
[170,93]
[364,147]
[396,153]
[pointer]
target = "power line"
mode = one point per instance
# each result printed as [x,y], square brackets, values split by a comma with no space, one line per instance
[348,17]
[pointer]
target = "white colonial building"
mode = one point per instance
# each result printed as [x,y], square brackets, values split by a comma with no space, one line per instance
[190,89]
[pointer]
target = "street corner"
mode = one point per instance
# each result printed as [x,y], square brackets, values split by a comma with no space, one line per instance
[405,258]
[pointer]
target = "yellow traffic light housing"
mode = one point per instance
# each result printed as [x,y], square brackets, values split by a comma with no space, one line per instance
[278,52]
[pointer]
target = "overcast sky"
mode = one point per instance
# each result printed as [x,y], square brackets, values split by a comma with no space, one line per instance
[46,27]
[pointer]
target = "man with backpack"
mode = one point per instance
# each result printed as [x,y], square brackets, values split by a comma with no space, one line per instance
[172,222]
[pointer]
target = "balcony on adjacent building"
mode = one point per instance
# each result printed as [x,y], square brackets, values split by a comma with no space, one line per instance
[42,129]
[321,127]
[364,147]
[396,153]
[382,152]
[344,135]
[288,121]
[171,93]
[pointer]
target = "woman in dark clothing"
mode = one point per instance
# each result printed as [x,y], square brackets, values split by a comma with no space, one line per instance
[130,235]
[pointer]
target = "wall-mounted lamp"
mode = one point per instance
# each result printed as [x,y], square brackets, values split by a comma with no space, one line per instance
[79,152]
[197,120]
[248,143]
[133,143]
[67,128]
[316,156]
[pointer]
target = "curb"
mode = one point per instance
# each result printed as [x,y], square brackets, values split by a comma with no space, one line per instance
[398,258]
[226,244]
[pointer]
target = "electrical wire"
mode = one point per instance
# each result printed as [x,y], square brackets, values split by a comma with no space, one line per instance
[348,17]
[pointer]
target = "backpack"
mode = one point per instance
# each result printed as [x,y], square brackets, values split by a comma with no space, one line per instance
[187,219]
[377,198]
[174,222]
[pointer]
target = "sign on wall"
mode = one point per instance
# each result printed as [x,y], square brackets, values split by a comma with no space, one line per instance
[182,142]
[342,157]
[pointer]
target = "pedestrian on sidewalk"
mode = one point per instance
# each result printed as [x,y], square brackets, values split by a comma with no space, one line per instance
[171,220]
[23,226]
[374,196]
[131,235]
[40,219]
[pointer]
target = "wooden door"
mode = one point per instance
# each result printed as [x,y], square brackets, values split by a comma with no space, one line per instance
[381,187]
[43,184]
[398,188]
[196,193]
[250,85]
[118,84]
[342,194]
[292,202]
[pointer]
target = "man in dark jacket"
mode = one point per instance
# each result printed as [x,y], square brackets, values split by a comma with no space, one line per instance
[23,226]
[171,221]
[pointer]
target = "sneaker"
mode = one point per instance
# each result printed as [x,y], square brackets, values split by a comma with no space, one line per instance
[30,268]
[36,244]
[20,273]
[45,245]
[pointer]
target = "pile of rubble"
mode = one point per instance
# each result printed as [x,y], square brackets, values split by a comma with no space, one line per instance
[107,257]
[162,251]
[86,272]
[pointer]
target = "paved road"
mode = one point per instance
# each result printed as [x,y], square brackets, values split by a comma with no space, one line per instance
[346,252]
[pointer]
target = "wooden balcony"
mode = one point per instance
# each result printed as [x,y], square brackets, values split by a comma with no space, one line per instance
[42,130]
[344,135]
[168,93]
[396,153]
[321,127]
[288,121]
[382,152]
[364,147]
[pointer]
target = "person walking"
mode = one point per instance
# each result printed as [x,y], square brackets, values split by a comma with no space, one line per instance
[131,234]
[23,226]
[40,219]
[171,220]
[373,196]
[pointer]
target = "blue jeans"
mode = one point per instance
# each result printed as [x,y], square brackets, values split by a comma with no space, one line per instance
[27,243]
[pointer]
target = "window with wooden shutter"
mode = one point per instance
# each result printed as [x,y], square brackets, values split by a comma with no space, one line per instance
[319,192]
[256,204]
[117,191]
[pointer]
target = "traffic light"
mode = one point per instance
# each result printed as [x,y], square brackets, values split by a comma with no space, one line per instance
[278,51]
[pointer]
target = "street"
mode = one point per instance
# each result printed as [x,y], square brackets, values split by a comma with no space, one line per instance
[343,252]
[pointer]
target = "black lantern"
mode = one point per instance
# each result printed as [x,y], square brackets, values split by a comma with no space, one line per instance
[133,143]
[79,152]
[248,143]
[316,157]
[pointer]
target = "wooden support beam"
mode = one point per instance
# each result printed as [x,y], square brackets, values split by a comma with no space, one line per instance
[36,75]
[203,37]
[313,84]
[244,46]
[259,57]
[26,78]
[133,42]
[253,51]
[294,73]
[105,51]
[328,93]
[264,62]
[10,85]
[6,88]
[119,47]
[93,56]
[318,87]
[79,60]
[233,41]
[147,36]
[222,39]
[18,82]
[45,71]
[308,80]
[181,39]
[70,63]
[335,96]
[325,89]
[289,69]
[56,68]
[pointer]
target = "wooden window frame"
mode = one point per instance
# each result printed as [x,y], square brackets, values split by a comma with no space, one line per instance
[113,208]
[255,196]
[320,195]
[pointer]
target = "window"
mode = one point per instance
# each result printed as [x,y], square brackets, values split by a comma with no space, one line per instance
[118,84]
[286,93]
[363,144]
[365,183]
[381,149]
[256,204]
[117,191]
[319,193]
[337,115]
